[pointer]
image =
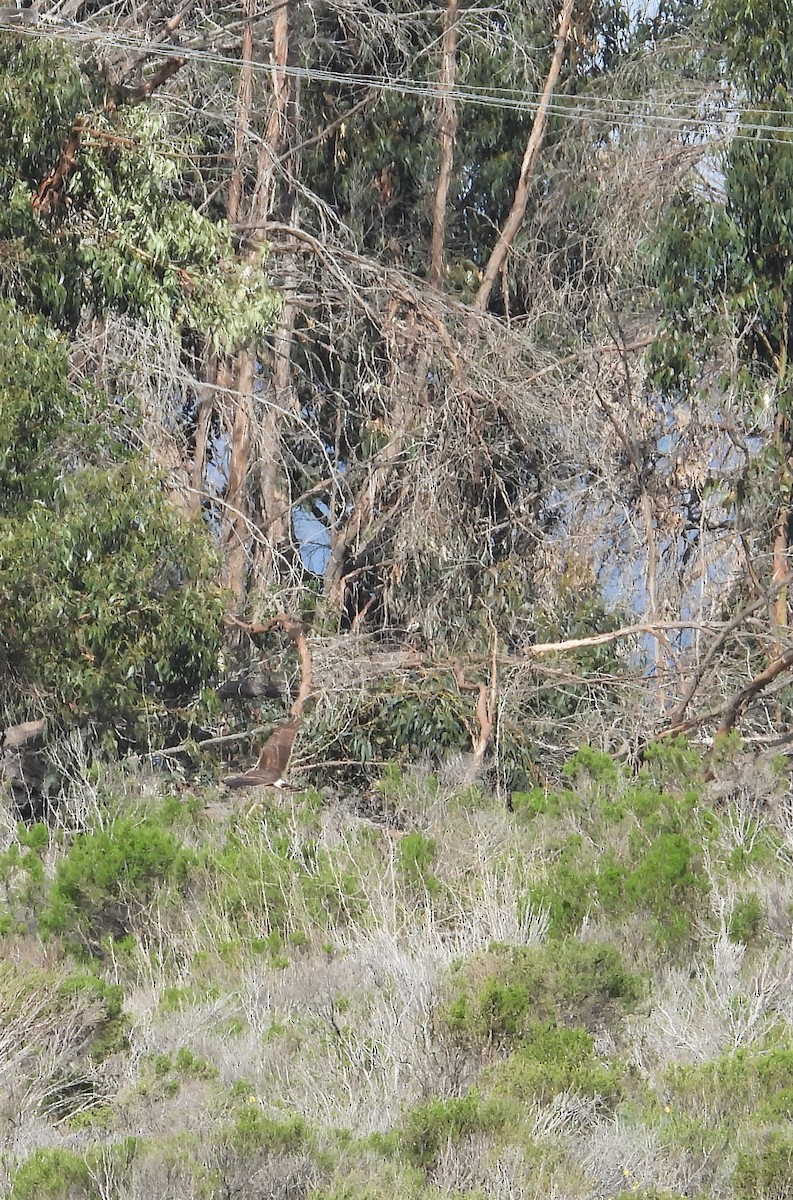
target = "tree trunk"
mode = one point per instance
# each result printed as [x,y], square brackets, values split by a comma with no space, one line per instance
[533,147]
[448,133]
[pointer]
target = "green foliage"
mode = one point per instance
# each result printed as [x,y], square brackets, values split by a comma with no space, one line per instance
[122,237]
[754,1084]
[648,861]
[37,407]
[672,763]
[52,1174]
[22,880]
[422,723]
[667,883]
[746,922]
[164,1073]
[554,1059]
[110,599]
[537,802]
[592,764]
[429,1127]
[265,883]
[110,602]
[725,262]
[110,1025]
[503,994]
[252,1130]
[765,1171]
[416,856]
[108,876]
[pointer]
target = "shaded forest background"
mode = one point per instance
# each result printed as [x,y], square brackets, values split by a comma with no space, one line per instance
[457,331]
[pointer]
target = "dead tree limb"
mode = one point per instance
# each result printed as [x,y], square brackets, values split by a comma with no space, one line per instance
[485,711]
[741,700]
[739,619]
[655,630]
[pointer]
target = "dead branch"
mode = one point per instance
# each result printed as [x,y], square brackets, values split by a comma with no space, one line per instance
[741,700]
[485,710]
[655,630]
[738,620]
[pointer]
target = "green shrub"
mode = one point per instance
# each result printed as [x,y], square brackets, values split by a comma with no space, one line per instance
[554,1059]
[109,597]
[746,922]
[106,876]
[765,1172]
[673,763]
[669,884]
[746,1083]
[504,993]
[252,1130]
[52,1175]
[111,1024]
[416,855]
[255,882]
[589,763]
[538,802]
[429,1127]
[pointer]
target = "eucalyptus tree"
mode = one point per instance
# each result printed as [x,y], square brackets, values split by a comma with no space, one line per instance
[725,272]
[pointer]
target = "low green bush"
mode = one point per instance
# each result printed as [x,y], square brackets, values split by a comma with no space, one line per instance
[554,1059]
[497,997]
[764,1171]
[654,870]
[747,1084]
[429,1127]
[110,1024]
[747,920]
[252,1130]
[263,888]
[107,876]
[52,1174]
[416,854]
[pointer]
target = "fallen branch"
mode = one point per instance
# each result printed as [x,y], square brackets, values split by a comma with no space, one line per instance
[186,747]
[741,701]
[655,630]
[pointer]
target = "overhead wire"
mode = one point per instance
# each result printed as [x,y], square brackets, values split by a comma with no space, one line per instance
[623,112]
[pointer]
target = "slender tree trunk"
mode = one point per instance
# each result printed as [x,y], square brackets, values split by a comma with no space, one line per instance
[533,147]
[275,189]
[255,413]
[448,133]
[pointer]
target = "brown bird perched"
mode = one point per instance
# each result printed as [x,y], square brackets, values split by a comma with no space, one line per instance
[273,760]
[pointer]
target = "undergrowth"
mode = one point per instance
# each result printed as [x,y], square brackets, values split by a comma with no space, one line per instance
[588,996]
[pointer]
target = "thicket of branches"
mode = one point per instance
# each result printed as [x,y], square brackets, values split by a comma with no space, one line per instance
[422,312]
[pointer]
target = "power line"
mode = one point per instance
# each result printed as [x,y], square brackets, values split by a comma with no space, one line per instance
[622,112]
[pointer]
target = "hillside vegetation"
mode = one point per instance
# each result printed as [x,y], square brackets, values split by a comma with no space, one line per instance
[396,562]
[588,996]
